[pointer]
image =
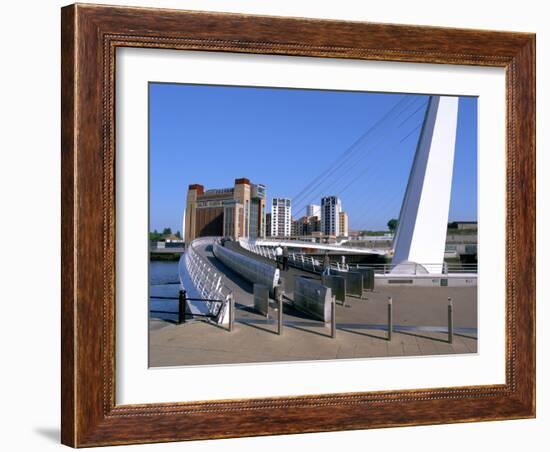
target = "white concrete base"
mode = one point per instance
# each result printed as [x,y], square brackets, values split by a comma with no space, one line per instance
[426,280]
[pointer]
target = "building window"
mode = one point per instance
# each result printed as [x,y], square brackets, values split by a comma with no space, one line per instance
[246,219]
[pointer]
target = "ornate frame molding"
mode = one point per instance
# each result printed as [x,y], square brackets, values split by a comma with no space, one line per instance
[90,36]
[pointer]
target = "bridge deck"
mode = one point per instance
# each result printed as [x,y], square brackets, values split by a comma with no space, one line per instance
[321,246]
[360,327]
[288,277]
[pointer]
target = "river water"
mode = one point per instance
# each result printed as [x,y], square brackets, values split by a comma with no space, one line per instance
[163,282]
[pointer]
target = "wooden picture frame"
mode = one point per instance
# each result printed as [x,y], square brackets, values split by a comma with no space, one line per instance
[90,36]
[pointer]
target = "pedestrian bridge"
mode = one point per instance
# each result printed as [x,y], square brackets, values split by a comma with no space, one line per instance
[273,243]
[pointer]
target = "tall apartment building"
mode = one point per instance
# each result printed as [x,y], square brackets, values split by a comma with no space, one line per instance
[343,220]
[295,228]
[268,224]
[233,212]
[306,226]
[281,217]
[314,225]
[313,210]
[331,206]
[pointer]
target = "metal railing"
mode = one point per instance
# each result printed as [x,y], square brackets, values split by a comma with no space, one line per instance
[298,260]
[306,262]
[182,308]
[309,263]
[251,269]
[207,281]
[418,269]
[295,243]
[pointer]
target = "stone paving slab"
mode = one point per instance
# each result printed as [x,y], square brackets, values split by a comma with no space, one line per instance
[419,315]
[358,335]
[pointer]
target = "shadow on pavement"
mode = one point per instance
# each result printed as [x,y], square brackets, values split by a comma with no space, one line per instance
[252,325]
[374,336]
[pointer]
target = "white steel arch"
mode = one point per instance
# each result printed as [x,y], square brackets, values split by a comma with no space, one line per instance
[422,228]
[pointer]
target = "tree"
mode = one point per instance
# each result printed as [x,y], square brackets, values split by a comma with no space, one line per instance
[178,234]
[155,236]
[167,231]
[392,224]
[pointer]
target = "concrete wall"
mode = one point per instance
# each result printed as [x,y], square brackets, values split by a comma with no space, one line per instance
[311,297]
[250,269]
[337,285]
[425,280]
[261,299]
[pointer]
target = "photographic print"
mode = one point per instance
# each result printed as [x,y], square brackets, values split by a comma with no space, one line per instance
[292,224]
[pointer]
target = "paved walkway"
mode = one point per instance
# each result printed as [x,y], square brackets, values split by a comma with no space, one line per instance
[420,318]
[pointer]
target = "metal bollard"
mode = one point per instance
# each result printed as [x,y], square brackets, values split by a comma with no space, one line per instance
[231,313]
[181,306]
[280,315]
[333,317]
[390,317]
[450,320]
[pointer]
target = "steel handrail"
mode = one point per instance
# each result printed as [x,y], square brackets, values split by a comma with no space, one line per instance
[207,281]
[415,268]
[307,262]
[299,260]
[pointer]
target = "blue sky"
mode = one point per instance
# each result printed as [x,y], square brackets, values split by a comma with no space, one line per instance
[301,144]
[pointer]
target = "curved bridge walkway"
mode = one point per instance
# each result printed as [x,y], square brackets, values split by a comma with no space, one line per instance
[361,326]
[287,277]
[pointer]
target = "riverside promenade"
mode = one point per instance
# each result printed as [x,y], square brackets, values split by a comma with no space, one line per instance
[419,327]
